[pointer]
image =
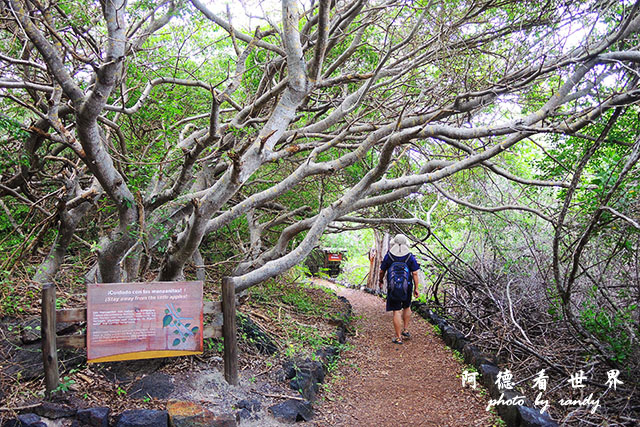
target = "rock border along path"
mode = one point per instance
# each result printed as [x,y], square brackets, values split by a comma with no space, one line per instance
[384,384]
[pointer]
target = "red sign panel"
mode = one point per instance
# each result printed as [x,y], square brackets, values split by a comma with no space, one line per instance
[128,321]
[335,257]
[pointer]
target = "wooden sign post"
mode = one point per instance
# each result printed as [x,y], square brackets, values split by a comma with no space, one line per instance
[229,331]
[128,321]
[48,331]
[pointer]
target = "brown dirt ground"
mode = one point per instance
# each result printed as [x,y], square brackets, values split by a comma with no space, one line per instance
[384,384]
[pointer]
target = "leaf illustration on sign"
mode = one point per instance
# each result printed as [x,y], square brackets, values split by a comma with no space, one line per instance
[173,319]
[166,320]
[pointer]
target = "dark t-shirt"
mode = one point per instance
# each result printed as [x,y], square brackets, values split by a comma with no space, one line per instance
[412,263]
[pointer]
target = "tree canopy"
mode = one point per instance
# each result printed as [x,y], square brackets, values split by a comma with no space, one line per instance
[177,124]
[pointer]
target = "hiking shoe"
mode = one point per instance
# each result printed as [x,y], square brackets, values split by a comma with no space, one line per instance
[406,334]
[396,341]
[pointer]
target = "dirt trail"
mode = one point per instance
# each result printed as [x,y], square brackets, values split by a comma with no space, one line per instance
[385,384]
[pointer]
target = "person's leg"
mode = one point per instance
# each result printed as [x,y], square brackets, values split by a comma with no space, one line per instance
[406,317]
[397,323]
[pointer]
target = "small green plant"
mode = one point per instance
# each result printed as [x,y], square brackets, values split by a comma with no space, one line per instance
[121,392]
[11,302]
[436,329]
[214,344]
[65,383]
[422,298]
[497,421]
[458,356]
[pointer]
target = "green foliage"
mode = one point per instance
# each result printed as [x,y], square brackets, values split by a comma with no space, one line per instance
[12,135]
[65,383]
[356,242]
[458,356]
[614,329]
[355,270]
[290,302]
[355,264]
[554,308]
[215,344]
[12,303]
[16,300]
[12,128]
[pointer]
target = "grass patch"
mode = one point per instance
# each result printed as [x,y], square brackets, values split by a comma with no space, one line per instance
[300,315]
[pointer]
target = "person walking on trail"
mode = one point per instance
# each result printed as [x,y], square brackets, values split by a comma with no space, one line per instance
[401,268]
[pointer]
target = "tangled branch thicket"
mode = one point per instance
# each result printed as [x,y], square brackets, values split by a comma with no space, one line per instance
[504,299]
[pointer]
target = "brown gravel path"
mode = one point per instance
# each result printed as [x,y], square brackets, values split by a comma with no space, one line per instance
[385,384]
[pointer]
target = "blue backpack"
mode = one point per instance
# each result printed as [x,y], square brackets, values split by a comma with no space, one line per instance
[398,278]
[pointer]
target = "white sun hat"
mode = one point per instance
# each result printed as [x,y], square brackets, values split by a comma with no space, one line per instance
[398,246]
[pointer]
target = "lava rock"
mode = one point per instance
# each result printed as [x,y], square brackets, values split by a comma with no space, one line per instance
[252,405]
[54,411]
[509,413]
[289,369]
[95,417]
[424,311]
[489,374]
[30,420]
[143,418]
[453,338]
[435,318]
[530,417]
[448,335]
[485,359]
[156,385]
[460,342]
[245,414]
[30,330]
[470,353]
[291,411]
[190,414]
[416,305]
[327,354]
[309,374]
[306,385]
[346,314]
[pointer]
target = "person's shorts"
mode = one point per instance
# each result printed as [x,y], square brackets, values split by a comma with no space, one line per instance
[393,305]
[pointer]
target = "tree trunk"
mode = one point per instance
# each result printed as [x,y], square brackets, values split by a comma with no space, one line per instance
[376,254]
